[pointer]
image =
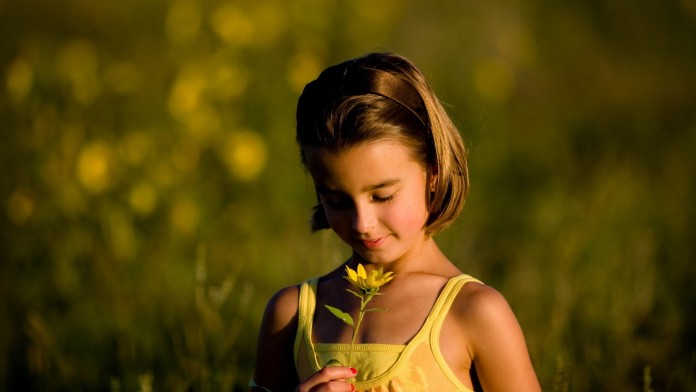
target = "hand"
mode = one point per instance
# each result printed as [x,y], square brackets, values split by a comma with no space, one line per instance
[329,379]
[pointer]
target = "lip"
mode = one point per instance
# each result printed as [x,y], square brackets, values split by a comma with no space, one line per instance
[373,243]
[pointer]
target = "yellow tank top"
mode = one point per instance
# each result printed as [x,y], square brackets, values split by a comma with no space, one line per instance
[416,366]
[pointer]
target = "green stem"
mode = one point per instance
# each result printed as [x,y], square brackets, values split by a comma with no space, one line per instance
[361,314]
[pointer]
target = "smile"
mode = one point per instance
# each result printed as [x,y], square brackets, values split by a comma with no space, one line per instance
[375,243]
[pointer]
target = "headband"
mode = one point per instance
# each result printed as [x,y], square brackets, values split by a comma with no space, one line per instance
[367,81]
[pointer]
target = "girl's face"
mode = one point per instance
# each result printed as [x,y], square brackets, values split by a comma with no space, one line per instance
[374,196]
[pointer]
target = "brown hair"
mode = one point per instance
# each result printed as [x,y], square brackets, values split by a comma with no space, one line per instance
[382,96]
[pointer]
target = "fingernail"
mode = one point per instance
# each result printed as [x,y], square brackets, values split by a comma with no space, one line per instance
[352,387]
[353,370]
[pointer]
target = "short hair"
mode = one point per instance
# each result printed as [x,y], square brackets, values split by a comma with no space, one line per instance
[383,96]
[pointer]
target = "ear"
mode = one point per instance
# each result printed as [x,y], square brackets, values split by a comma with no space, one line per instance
[432,178]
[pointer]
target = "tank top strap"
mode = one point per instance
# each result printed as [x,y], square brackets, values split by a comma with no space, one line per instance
[447,297]
[305,314]
[440,310]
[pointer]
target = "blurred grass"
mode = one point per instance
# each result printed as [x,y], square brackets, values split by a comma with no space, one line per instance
[152,199]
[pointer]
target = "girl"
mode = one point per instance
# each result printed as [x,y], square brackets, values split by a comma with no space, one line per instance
[390,171]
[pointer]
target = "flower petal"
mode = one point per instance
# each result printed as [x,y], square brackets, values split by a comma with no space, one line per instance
[371,282]
[352,276]
[361,271]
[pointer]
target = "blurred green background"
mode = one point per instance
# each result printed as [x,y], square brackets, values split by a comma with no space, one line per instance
[152,198]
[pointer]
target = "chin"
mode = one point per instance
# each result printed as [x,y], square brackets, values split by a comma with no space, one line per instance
[377,257]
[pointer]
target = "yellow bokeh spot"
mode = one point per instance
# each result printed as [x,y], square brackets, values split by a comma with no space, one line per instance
[143,198]
[229,81]
[20,207]
[494,80]
[202,123]
[163,174]
[20,78]
[271,17]
[302,69]
[245,154]
[94,167]
[185,215]
[232,25]
[185,96]
[183,22]
[78,63]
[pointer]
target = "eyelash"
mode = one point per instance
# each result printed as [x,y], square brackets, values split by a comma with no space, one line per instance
[339,204]
[383,200]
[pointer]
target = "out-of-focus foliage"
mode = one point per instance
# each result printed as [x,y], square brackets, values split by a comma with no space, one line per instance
[152,200]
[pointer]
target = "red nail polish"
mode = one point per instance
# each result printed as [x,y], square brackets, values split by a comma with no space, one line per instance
[353,370]
[352,387]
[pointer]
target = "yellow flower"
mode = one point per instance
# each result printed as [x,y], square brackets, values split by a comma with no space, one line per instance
[368,283]
[368,286]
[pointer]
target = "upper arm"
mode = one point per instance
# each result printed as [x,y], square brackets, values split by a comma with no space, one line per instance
[275,364]
[496,342]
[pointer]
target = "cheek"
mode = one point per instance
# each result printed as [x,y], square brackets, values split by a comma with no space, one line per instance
[410,215]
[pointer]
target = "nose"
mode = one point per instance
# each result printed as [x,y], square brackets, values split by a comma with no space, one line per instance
[364,219]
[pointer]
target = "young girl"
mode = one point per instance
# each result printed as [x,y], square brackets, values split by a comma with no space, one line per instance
[390,171]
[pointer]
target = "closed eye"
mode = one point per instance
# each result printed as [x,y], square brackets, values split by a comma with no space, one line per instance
[385,199]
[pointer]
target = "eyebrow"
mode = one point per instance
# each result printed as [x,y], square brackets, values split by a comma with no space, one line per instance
[374,187]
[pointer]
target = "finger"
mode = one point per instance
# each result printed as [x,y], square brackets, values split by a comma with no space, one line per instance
[335,386]
[331,386]
[334,375]
[339,372]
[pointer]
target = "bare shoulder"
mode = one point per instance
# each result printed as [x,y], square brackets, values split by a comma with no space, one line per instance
[481,313]
[274,353]
[494,339]
[282,308]
[477,305]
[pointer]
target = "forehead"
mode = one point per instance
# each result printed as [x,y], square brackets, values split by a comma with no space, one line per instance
[362,165]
